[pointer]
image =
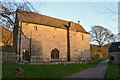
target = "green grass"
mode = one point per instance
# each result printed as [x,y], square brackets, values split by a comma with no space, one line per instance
[42,70]
[113,71]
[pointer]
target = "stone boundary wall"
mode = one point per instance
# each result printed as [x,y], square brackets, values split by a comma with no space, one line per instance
[8,54]
[9,57]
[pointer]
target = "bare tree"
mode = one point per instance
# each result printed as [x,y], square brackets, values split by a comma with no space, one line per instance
[113,11]
[8,11]
[118,37]
[100,36]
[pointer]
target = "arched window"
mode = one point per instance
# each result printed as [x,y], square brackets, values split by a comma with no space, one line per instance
[55,54]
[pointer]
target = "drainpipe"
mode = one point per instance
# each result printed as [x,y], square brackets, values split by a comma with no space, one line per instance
[68,42]
[20,38]
[15,34]
[30,46]
[20,42]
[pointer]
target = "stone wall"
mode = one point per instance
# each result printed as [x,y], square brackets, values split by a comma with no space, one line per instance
[8,54]
[9,57]
[80,46]
[115,56]
[45,38]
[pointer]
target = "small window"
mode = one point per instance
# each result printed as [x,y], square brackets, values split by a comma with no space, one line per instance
[35,28]
[82,37]
[53,36]
[39,34]
[55,28]
[26,23]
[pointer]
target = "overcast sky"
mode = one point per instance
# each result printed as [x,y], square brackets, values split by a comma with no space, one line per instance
[88,13]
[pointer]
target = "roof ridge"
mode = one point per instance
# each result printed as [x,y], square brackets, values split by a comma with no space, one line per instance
[42,15]
[47,16]
[37,18]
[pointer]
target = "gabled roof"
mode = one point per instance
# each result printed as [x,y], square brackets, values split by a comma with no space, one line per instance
[114,47]
[36,18]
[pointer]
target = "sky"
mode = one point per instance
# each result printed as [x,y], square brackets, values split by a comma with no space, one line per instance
[88,13]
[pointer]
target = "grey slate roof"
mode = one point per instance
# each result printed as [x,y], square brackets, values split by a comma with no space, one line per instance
[36,18]
[114,47]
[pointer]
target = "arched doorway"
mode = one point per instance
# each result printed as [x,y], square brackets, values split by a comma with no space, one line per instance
[26,56]
[112,58]
[55,54]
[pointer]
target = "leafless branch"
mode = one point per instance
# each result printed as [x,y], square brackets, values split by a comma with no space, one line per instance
[100,35]
[9,9]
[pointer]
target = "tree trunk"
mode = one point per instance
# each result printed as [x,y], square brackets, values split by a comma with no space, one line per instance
[101,54]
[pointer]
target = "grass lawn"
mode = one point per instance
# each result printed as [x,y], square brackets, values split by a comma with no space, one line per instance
[113,71]
[41,70]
